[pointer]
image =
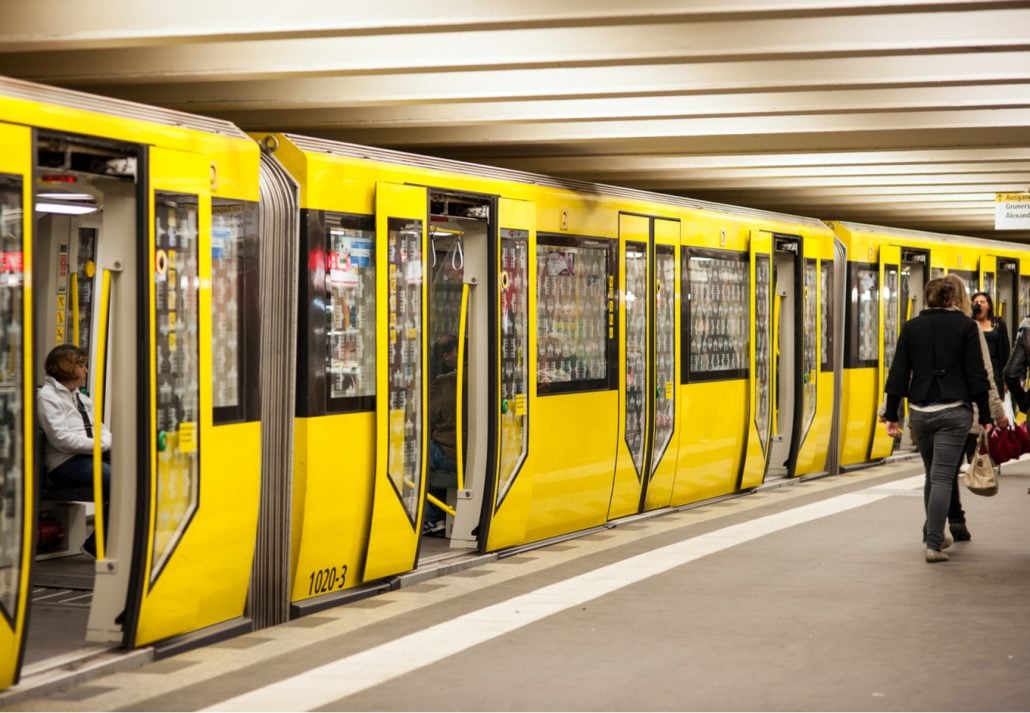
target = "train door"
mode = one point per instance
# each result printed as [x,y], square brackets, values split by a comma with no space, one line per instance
[16,396]
[1006,300]
[786,360]
[759,422]
[881,444]
[463,413]
[401,421]
[645,467]
[85,215]
[913,278]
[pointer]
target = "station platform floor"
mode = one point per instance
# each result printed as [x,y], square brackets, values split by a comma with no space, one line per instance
[809,596]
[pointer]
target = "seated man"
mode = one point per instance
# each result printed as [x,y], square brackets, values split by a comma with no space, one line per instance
[65,415]
[442,431]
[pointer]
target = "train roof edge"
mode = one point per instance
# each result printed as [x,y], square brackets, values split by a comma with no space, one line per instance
[927,235]
[31,91]
[340,148]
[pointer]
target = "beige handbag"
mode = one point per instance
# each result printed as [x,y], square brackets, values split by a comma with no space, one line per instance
[982,477]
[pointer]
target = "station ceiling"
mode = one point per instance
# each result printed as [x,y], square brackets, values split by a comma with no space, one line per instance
[910,114]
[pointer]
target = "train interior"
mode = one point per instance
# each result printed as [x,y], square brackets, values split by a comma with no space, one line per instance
[459,229]
[786,322]
[83,193]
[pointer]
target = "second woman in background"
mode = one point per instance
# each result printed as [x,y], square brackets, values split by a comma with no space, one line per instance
[996,334]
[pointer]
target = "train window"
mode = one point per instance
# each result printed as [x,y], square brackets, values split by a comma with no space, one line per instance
[177,316]
[404,315]
[336,320]
[1024,299]
[826,326]
[763,327]
[575,313]
[861,341]
[989,286]
[891,307]
[87,253]
[234,300]
[716,314]
[12,389]
[808,378]
[969,277]
[350,282]
[514,345]
[665,348]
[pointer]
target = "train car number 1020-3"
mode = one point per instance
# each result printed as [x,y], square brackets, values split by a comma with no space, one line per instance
[327,580]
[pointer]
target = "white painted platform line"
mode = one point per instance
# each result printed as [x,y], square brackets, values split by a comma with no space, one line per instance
[325,684]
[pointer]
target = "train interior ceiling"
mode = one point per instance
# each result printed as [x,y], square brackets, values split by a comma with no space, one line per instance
[82,192]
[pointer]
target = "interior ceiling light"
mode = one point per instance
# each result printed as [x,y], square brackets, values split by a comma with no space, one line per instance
[66,196]
[65,208]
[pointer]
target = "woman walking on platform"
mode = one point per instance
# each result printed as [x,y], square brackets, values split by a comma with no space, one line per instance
[939,367]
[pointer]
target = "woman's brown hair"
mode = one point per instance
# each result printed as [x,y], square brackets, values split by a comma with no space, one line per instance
[62,360]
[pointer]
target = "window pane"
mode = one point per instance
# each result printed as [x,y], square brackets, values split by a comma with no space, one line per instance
[514,348]
[665,348]
[404,464]
[808,357]
[890,314]
[718,299]
[350,308]
[863,295]
[234,256]
[636,350]
[12,388]
[763,280]
[826,298]
[573,316]
[176,316]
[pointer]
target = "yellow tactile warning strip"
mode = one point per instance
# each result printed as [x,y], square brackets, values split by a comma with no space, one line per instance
[128,690]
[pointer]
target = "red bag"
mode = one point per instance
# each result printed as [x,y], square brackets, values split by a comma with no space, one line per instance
[1023,437]
[999,445]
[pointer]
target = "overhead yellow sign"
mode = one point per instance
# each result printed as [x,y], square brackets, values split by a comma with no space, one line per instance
[1012,211]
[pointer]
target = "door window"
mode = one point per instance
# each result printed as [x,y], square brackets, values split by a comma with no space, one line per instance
[404,465]
[514,348]
[636,351]
[763,282]
[665,348]
[12,389]
[176,285]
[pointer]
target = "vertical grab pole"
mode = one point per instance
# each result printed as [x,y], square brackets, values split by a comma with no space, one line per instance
[459,414]
[73,287]
[98,411]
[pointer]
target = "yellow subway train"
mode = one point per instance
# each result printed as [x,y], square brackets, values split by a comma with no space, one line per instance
[266,318]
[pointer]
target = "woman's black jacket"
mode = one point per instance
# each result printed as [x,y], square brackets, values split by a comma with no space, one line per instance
[938,360]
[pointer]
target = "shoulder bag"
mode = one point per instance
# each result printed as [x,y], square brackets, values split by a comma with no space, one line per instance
[982,477]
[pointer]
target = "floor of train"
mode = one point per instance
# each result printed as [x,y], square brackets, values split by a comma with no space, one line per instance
[808,596]
[62,590]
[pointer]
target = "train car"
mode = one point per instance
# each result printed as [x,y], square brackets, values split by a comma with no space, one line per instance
[281,328]
[886,270]
[621,352]
[130,232]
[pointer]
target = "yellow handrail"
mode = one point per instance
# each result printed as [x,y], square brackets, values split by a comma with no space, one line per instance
[73,287]
[460,387]
[774,366]
[98,411]
[432,498]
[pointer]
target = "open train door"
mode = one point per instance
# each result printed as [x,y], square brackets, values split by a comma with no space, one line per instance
[517,377]
[401,391]
[201,499]
[881,444]
[988,269]
[16,397]
[759,421]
